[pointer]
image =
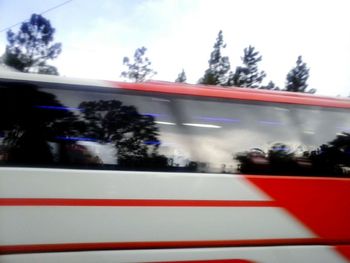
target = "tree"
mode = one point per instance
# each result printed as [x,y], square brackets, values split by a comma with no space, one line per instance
[181,78]
[32,47]
[297,78]
[219,65]
[248,75]
[134,135]
[139,70]
[270,86]
[27,126]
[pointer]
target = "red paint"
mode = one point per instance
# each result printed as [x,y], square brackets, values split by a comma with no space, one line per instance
[321,204]
[36,248]
[344,250]
[132,202]
[212,261]
[235,93]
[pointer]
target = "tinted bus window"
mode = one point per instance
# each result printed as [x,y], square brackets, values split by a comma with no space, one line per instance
[58,125]
[265,138]
[86,129]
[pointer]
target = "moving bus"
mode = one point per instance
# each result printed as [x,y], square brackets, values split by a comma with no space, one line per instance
[101,171]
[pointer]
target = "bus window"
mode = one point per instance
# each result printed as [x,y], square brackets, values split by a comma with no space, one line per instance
[266,138]
[60,125]
[88,129]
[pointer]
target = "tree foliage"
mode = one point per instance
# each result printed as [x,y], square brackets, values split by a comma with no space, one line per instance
[33,133]
[26,126]
[139,69]
[248,75]
[297,78]
[219,65]
[134,135]
[181,78]
[270,86]
[31,48]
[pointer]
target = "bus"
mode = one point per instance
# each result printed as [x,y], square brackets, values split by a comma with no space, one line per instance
[104,171]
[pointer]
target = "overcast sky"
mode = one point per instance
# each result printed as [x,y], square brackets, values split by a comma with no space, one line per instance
[96,35]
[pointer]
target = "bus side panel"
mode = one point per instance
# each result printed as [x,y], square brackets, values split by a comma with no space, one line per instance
[88,209]
[47,210]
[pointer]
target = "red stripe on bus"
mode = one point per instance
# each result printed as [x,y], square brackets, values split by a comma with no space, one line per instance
[235,93]
[34,248]
[344,250]
[132,202]
[320,204]
[212,261]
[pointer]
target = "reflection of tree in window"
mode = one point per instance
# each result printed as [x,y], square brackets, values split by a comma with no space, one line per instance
[252,161]
[333,157]
[281,158]
[135,136]
[26,127]
[330,159]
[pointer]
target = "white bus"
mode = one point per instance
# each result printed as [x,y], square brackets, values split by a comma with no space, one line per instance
[100,171]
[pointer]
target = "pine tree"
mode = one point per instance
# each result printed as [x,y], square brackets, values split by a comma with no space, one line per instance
[181,78]
[270,86]
[297,78]
[31,48]
[219,65]
[139,70]
[247,75]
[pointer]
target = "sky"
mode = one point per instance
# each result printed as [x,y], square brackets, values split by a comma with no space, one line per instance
[180,34]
